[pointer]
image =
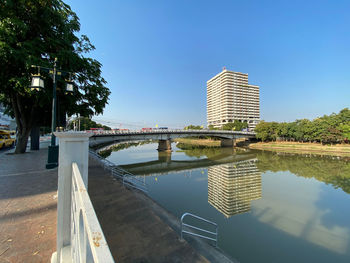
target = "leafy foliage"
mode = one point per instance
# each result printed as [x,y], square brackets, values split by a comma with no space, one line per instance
[334,128]
[193,127]
[325,169]
[35,32]
[211,127]
[86,124]
[235,126]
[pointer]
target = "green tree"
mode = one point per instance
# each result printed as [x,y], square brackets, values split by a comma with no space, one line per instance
[334,128]
[86,124]
[262,130]
[235,126]
[345,129]
[211,127]
[193,127]
[283,130]
[35,32]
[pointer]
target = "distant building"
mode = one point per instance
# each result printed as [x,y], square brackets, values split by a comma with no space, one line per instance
[230,98]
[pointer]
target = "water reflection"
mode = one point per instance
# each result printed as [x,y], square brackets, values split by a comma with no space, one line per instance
[330,170]
[232,187]
[300,215]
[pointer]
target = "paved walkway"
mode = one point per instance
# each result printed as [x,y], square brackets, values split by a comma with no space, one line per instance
[27,208]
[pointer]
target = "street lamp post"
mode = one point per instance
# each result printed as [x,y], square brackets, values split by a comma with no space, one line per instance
[37,84]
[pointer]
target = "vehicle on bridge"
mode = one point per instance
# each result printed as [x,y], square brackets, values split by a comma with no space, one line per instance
[162,128]
[146,129]
[95,130]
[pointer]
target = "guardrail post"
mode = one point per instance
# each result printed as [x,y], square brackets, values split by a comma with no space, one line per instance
[74,147]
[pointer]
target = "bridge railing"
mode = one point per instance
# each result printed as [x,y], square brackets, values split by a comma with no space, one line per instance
[79,234]
[161,131]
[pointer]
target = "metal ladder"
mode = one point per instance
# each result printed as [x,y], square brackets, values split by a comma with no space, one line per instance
[214,235]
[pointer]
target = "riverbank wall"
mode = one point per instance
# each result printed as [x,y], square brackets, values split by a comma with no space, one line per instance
[341,150]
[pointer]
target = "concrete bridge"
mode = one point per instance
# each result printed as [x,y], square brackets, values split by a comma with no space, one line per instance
[164,137]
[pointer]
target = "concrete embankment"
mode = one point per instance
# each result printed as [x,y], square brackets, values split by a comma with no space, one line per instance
[342,150]
[137,229]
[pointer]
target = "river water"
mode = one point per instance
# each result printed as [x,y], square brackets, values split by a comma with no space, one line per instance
[269,207]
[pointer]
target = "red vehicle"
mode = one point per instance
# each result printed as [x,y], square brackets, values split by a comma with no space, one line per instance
[96,130]
[146,129]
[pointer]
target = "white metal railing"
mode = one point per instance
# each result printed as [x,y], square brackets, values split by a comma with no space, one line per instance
[79,234]
[213,236]
[169,131]
[128,179]
[88,243]
[106,164]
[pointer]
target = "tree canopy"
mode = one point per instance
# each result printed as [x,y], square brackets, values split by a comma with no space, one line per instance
[235,126]
[334,128]
[35,32]
[193,127]
[86,124]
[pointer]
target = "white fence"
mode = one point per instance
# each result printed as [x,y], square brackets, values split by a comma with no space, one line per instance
[88,241]
[79,234]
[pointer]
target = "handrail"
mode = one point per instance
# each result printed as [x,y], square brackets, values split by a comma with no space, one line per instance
[128,179]
[88,243]
[169,131]
[215,234]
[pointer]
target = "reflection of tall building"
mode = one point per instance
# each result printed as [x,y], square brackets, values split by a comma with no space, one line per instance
[232,187]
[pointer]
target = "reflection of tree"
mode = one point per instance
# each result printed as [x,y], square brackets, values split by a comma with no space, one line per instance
[107,151]
[209,152]
[232,187]
[199,151]
[325,169]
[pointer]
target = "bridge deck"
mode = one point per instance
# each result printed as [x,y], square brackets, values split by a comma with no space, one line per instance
[105,137]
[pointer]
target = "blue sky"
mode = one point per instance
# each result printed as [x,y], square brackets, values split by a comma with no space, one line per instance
[158,55]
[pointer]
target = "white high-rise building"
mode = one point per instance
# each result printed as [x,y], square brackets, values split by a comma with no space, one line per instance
[230,98]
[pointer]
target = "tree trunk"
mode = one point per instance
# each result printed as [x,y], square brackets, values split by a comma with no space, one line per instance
[22,141]
[24,119]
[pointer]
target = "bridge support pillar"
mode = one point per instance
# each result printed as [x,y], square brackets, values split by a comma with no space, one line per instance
[228,142]
[164,145]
